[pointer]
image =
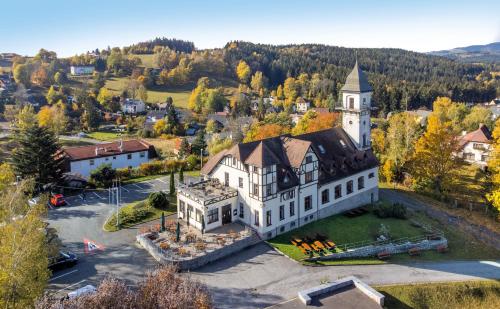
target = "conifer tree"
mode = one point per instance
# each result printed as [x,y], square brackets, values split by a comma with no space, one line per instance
[181,175]
[37,155]
[172,184]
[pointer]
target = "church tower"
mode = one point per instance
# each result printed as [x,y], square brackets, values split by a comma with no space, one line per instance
[356,105]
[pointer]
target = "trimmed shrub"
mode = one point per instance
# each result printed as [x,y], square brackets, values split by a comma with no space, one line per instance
[151,168]
[103,175]
[396,210]
[158,200]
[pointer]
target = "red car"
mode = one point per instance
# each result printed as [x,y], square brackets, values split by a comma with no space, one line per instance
[57,200]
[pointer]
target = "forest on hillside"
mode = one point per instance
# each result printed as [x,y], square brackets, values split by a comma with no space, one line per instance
[401,79]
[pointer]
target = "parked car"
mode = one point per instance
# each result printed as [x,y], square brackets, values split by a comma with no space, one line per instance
[88,289]
[65,259]
[57,200]
[33,201]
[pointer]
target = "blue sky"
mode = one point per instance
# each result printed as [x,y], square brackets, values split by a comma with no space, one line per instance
[75,26]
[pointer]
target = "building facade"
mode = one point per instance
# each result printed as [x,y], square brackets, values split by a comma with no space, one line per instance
[475,147]
[123,154]
[78,70]
[131,106]
[284,182]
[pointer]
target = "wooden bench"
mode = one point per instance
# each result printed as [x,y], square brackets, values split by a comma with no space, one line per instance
[442,248]
[384,255]
[414,251]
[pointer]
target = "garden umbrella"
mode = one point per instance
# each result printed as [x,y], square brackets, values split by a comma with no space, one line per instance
[178,232]
[162,221]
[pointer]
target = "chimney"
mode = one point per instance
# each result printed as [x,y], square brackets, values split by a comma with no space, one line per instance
[464,132]
[121,145]
[96,151]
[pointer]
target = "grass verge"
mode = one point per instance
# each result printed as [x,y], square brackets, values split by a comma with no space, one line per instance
[469,294]
[104,136]
[137,213]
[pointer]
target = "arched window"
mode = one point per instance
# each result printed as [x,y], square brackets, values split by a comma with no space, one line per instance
[351,103]
[364,140]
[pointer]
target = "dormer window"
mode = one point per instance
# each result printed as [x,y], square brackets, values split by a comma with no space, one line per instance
[321,149]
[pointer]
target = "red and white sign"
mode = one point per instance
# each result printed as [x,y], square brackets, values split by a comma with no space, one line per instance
[90,246]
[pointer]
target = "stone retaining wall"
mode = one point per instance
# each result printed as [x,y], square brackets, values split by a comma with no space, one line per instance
[192,263]
[374,250]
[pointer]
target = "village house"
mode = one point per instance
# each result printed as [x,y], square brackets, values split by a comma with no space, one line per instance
[302,106]
[82,160]
[131,106]
[79,70]
[278,184]
[475,147]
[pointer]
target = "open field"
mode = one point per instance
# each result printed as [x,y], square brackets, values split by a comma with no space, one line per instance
[156,95]
[147,60]
[106,136]
[343,230]
[454,295]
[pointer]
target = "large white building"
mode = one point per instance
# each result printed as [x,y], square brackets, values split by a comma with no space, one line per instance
[278,184]
[78,70]
[83,160]
[475,147]
[131,106]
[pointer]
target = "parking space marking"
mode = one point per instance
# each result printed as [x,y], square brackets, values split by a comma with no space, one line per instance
[126,190]
[161,180]
[71,285]
[136,185]
[68,273]
[98,196]
[67,203]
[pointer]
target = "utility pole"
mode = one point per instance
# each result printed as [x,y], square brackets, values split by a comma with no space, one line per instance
[201,162]
[115,197]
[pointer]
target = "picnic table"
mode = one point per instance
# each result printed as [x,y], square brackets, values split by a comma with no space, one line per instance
[319,244]
[306,246]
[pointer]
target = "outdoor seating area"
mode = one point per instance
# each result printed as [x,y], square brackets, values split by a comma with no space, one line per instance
[319,244]
[177,241]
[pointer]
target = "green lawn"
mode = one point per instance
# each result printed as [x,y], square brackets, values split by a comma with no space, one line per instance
[73,143]
[157,94]
[452,295]
[137,213]
[104,136]
[342,230]
[147,60]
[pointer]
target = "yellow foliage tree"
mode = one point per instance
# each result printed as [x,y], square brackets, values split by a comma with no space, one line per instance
[23,249]
[494,165]
[312,122]
[378,141]
[243,71]
[434,162]
[7,175]
[159,127]
[53,117]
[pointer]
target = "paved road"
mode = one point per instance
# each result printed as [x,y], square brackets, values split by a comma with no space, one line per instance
[83,219]
[259,276]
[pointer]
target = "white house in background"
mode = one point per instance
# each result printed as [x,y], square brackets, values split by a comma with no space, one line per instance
[79,70]
[131,106]
[278,184]
[301,106]
[83,160]
[475,147]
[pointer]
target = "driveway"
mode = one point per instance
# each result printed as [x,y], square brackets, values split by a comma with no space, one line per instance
[259,276]
[81,221]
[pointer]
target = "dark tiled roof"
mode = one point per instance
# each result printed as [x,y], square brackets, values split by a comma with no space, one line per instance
[338,156]
[106,150]
[356,81]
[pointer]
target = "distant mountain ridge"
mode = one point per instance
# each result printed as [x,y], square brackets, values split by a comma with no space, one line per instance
[473,53]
